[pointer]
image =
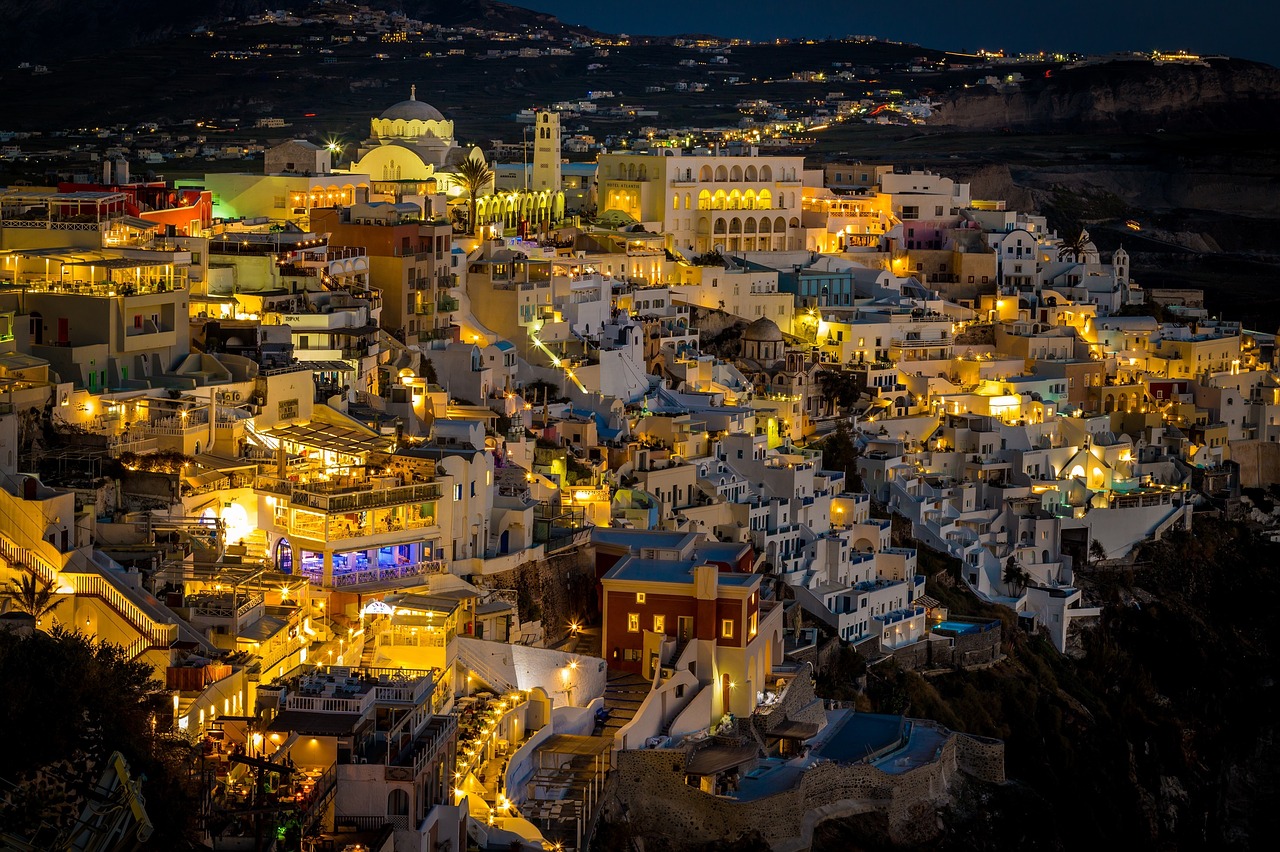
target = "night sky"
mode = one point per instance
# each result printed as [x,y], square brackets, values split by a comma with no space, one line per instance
[1243,28]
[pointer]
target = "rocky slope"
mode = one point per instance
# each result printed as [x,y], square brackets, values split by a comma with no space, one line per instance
[1127,96]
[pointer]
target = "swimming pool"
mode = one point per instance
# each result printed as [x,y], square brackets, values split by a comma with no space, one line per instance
[862,735]
[958,627]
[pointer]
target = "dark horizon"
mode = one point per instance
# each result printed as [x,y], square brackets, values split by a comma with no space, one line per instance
[1237,28]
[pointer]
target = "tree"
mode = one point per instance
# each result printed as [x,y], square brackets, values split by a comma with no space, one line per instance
[839,453]
[1074,247]
[1097,553]
[839,390]
[429,373]
[29,595]
[1015,576]
[541,390]
[77,701]
[474,175]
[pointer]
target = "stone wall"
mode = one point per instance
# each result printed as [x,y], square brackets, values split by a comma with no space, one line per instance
[652,785]
[798,704]
[981,757]
[968,649]
[555,590]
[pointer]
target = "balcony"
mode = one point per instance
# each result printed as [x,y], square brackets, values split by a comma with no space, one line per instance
[390,574]
[332,498]
[447,304]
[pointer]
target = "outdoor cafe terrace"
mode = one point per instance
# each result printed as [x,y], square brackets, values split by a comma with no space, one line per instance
[135,272]
[349,494]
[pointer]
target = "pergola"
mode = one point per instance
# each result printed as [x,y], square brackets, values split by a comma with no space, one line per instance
[566,785]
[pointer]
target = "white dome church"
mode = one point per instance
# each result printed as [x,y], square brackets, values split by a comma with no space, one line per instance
[409,141]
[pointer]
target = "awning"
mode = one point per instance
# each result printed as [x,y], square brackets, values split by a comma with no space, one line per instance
[355,332]
[330,436]
[327,366]
[314,724]
[138,223]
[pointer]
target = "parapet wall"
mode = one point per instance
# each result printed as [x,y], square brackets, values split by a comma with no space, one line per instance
[967,649]
[798,704]
[658,801]
[981,757]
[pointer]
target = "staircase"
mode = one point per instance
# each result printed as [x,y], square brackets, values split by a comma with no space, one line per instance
[623,694]
[256,548]
[675,655]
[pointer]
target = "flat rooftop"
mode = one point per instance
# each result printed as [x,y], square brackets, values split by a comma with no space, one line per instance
[673,571]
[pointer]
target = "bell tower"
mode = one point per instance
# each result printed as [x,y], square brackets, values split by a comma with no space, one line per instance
[546,152]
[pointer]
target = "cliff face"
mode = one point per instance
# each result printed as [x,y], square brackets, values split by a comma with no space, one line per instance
[1126,96]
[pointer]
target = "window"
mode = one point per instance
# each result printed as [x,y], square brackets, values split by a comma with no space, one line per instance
[659,624]
[631,655]
[633,622]
[639,597]
[726,628]
[755,622]
[457,493]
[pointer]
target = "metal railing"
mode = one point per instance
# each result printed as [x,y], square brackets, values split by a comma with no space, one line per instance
[394,572]
[153,633]
[355,500]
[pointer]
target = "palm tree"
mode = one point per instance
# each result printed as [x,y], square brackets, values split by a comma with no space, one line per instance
[29,596]
[473,176]
[1074,247]
[1015,576]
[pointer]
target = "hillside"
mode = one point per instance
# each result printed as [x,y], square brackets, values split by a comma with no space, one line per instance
[1126,96]
[1158,734]
[71,29]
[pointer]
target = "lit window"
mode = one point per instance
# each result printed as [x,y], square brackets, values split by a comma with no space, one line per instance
[659,624]
[726,628]
[633,622]
[639,597]
[755,622]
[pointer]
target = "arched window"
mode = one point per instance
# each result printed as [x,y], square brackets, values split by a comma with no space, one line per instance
[722,174]
[704,200]
[764,200]
[687,199]
[751,174]
[735,174]
[766,173]
[704,173]
[397,803]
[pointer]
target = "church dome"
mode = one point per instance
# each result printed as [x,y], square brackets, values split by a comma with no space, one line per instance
[763,330]
[412,109]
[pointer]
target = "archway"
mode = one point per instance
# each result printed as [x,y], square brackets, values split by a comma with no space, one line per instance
[284,556]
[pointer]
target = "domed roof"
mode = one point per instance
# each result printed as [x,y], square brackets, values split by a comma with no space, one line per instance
[763,330]
[412,108]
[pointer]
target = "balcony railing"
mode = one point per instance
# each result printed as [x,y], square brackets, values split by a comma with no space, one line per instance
[353,500]
[395,572]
